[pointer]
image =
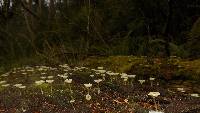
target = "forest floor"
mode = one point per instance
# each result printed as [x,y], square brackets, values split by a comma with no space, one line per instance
[45,89]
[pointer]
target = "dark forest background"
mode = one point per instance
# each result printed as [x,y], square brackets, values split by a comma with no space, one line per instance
[57,30]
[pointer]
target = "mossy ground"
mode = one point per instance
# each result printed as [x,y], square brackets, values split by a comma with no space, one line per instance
[116,95]
[170,68]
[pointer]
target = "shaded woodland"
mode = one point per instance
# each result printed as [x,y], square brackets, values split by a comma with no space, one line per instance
[56,29]
[100,56]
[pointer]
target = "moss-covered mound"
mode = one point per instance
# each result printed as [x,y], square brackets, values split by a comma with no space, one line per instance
[172,68]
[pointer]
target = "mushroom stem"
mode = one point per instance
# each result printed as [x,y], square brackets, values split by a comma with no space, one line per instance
[155,103]
[151,84]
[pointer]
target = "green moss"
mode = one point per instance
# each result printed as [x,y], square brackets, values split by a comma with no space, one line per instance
[114,63]
[144,66]
[46,88]
[2,88]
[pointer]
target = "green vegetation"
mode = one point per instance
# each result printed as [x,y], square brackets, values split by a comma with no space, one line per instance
[91,56]
[63,30]
[73,89]
[172,68]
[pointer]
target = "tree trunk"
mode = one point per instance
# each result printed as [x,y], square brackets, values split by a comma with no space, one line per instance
[51,9]
[167,33]
[39,8]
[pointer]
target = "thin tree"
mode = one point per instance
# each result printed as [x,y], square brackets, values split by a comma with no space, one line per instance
[167,33]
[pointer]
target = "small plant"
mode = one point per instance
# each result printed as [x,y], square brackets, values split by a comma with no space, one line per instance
[39,83]
[69,81]
[132,78]
[154,95]
[98,81]
[195,95]
[124,76]
[50,82]
[88,96]
[141,81]
[151,80]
